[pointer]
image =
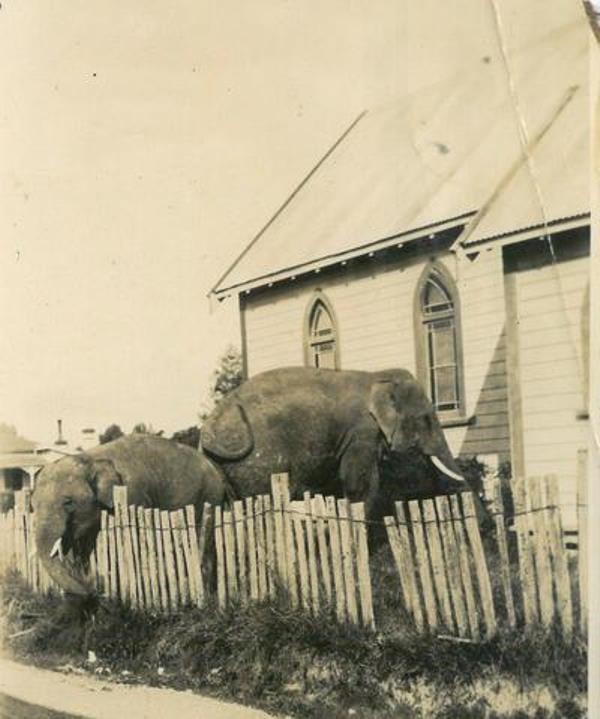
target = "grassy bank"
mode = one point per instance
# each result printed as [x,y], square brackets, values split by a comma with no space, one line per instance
[283,661]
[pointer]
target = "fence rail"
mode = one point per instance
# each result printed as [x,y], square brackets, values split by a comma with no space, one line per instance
[315,553]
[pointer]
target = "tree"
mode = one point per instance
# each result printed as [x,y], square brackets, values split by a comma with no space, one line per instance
[112,432]
[143,428]
[226,377]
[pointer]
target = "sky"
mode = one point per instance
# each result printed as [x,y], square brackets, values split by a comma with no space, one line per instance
[143,145]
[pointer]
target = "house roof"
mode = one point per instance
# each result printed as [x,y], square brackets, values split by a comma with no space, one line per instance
[12,442]
[501,146]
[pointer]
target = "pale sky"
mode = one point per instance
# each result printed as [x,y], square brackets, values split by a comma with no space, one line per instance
[143,144]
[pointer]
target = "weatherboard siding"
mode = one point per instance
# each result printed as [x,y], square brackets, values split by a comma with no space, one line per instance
[550,302]
[375,330]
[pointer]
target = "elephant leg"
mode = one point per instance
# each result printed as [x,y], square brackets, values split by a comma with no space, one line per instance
[359,473]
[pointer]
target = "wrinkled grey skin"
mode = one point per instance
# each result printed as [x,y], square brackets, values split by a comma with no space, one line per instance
[333,431]
[71,493]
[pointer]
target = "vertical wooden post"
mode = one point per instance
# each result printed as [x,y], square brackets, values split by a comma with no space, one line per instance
[290,550]
[410,578]
[152,558]
[261,547]
[318,510]
[437,562]
[171,572]
[312,553]
[558,554]
[526,569]
[103,553]
[144,565]
[251,544]
[206,550]
[336,559]
[347,548]
[357,513]
[270,540]
[220,553]
[135,547]
[194,567]
[483,577]
[240,533]
[465,567]
[541,554]
[230,563]
[423,564]
[498,510]
[582,526]
[452,562]
[124,552]
[280,550]
[302,561]
[177,521]
[159,533]
[113,558]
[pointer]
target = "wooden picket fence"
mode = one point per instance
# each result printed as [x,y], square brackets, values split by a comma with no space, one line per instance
[314,553]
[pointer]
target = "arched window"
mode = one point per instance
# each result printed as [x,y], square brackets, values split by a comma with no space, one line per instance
[320,336]
[439,365]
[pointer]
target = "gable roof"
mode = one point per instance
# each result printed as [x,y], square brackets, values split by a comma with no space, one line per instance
[493,145]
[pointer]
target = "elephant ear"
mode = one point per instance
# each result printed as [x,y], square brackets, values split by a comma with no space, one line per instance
[104,478]
[227,434]
[382,407]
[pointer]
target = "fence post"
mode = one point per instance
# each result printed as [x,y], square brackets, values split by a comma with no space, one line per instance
[302,561]
[498,510]
[220,554]
[135,545]
[152,558]
[465,567]
[318,510]
[542,558]
[347,547]
[290,552]
[483,577]
[280,549]
[357,512]
[239,522]
[423,564]
[409,577]
[251,544]
[558,554]
[261,547]
[124,550]
[452,562]
[206,550]
[526,570]
[336,558]
[194,566]
[167,540]
[437,562]
[582,525]
[270,540]
[162,573]
[181,560]
[312,554]
[230,559]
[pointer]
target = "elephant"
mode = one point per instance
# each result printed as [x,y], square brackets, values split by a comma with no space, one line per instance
[335,432]
[71,493]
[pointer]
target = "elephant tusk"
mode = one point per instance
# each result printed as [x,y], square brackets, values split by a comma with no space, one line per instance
[57,549]
[442,467]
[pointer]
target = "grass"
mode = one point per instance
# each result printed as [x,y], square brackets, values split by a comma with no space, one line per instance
[284,661]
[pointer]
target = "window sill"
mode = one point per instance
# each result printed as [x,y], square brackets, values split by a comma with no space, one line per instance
[457,421]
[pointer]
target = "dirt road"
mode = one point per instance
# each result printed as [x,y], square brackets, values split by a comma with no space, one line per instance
[30,693]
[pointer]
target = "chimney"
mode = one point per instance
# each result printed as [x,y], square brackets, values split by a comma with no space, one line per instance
[60,441]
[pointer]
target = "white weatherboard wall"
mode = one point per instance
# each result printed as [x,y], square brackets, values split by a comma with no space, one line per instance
[375,324]
[550,302]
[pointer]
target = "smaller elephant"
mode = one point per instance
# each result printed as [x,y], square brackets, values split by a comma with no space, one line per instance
[71,493]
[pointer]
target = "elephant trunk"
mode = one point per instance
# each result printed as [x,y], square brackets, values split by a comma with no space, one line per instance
[50,550]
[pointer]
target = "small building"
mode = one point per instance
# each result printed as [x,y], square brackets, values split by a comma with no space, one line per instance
[19,463]
[449,233]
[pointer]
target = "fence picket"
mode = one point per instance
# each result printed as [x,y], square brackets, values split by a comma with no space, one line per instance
[560,567]
[582,522]
[270,541]
[170,570]
[152,558]
[160,555]
[336,558]
[541,553]
[290,550]
[357,513]
[261,547]
[451,558]
[220,555]
[498,511]
[206,550]
[347,546]
[465,567]
[239,520]
[319,511]
[410,578]
[280,548]
[144,563]
[123,563]
[438,563]
[423,564]
[312,555]
[483,577]
[194,566]
[302,561]
[251,544]
[113,559]
[230,559]
[135,548]
[179,535]
[526,569]
[103,554]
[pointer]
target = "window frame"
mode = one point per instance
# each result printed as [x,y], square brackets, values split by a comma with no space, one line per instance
[438,272]
[320,299]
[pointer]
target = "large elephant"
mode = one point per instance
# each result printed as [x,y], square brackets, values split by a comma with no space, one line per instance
[71,493]
[334,432]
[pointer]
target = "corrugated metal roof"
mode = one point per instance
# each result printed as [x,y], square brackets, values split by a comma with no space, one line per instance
[445,152]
